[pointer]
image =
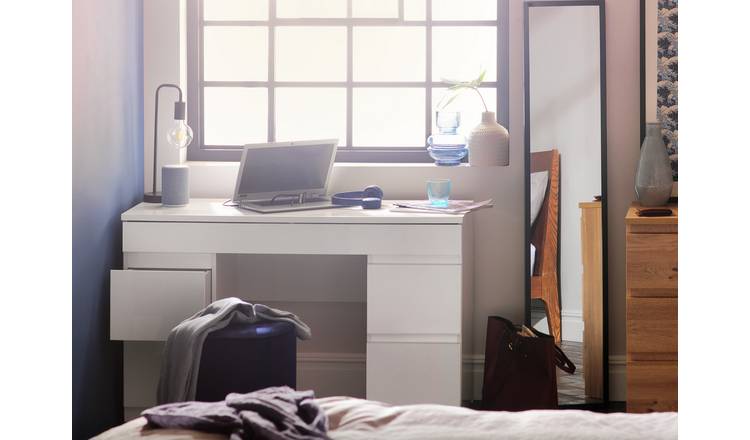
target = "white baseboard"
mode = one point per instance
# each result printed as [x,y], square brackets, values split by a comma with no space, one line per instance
[572,325]
[343,374]
[332,374]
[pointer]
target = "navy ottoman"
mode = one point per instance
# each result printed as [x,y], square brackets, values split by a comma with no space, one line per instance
[241,358]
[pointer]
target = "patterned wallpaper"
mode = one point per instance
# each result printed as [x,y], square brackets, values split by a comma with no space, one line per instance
[666,77]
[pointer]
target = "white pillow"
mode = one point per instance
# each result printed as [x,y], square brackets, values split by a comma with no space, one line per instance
[538,189]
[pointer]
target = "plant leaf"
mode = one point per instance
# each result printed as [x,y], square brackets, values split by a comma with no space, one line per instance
[449,97]
[481,76]
[451,81]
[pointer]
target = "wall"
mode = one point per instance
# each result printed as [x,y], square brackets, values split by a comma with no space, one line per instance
[107,180]
[623,133]
[499,252]
[565,112]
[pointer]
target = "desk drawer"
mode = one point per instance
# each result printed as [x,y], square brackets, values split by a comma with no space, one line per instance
[408,373]
[146,304]
[652,386]
[651,261]
[652,328]
[414,299]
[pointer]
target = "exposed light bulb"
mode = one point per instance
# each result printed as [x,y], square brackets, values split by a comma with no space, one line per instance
[180,134]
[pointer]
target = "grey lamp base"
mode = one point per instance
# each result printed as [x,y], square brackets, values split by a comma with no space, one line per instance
[152,197]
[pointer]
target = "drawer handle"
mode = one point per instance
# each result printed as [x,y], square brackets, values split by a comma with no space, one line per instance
[674,269]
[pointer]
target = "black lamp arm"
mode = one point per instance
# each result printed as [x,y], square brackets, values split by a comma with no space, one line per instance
[179,114]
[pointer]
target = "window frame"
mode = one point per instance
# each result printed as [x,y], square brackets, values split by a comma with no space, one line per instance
[197,151]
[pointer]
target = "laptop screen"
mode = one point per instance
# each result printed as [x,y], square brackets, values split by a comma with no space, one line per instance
[279,169]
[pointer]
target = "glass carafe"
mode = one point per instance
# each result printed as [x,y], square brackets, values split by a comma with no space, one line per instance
[447,147]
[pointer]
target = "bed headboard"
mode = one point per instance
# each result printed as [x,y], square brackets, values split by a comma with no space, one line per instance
[544,231]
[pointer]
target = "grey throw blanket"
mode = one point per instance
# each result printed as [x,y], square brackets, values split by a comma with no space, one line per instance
[182,353]
[276,413]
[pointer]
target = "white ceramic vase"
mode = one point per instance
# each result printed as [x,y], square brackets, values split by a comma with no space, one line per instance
[489,143]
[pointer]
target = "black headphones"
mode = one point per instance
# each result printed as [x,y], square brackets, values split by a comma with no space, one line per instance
[370,198]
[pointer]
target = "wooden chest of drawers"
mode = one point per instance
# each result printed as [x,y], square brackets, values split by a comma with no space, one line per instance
[651,317]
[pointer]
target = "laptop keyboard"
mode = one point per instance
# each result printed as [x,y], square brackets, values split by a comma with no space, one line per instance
[283,201]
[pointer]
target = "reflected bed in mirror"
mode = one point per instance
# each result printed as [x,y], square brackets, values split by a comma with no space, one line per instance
[565,141]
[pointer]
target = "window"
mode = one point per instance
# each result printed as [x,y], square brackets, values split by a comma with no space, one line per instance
[367,72]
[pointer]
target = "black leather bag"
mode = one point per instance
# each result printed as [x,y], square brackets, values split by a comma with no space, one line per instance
[519,371]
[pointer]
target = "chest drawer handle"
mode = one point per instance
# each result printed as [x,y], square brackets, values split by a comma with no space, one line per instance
[674,269]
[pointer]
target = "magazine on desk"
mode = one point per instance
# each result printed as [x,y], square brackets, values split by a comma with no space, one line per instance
[454,206]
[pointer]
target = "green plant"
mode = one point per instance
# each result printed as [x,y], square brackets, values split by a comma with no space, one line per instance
[458,87]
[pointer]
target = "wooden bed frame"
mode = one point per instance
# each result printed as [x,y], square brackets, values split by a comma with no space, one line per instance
[545,238]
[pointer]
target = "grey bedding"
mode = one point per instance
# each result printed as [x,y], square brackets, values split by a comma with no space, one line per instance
[353,419]
[276,413]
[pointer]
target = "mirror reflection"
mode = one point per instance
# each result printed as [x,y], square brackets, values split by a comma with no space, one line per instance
[565,142]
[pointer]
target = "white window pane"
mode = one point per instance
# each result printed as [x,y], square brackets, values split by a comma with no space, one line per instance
[235,53]
[310,113]
[310,53]
[462,52]
[375,8]
[311,8]
[389,53]
[235,115]
[388,117]
[415,10]
[235,9]
[468,104]
[464,10]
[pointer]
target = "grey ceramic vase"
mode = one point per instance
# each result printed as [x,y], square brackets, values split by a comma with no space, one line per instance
[653,180]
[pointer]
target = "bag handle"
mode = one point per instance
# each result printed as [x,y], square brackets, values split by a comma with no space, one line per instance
[562,361]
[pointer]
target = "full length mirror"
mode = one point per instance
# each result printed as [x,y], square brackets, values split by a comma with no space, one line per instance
[566,188]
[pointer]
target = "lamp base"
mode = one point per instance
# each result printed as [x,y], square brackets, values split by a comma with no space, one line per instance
[152,197]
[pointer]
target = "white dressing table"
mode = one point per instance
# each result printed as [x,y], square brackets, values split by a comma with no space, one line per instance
[419,285]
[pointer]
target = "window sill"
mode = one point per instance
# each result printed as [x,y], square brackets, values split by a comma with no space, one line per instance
[347,165]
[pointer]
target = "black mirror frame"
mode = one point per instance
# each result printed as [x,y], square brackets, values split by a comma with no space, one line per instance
[605,405]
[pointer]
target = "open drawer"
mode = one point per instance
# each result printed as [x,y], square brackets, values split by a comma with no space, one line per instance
[146,304]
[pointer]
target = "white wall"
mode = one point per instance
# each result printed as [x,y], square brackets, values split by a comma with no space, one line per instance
[164,61]
[499,245]
[565,114]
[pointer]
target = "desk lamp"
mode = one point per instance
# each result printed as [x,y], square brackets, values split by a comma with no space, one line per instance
[179,135]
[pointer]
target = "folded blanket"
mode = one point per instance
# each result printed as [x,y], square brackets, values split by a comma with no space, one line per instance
[182,353]
[276,413]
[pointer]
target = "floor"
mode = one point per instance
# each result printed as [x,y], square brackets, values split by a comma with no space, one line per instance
[570,387]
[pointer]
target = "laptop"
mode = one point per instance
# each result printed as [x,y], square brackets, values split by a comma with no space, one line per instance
[285,176]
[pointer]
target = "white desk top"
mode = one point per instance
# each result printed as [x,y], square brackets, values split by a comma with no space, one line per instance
[212,211]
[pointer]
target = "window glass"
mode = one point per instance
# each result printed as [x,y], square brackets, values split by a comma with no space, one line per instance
[311,8]
[415,10]
[375,8]
[389,117]
[462,52]
[235,115]
[304,113]
[235,10]
[389,53]
[310,53]
[464,9]
[234,53]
